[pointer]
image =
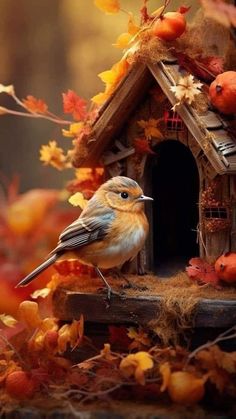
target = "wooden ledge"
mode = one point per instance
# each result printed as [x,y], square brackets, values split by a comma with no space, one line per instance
[68,305]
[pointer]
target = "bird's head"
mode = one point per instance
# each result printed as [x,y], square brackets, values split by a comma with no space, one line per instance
[124,194]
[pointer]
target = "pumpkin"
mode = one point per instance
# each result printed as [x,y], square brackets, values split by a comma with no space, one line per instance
[225,267]
[20,385]
[222,92]
[169,26]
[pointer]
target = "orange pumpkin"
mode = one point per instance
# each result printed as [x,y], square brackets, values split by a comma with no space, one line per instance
[169,26]
[225,267]
[222,92]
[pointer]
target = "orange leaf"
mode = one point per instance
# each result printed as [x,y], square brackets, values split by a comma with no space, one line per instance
[53,155]
[35,105]
[142,146]
[74,104]
[165,373]
[202,271]
[108,6]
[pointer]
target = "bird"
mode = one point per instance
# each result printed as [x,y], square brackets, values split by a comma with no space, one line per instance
[111,230]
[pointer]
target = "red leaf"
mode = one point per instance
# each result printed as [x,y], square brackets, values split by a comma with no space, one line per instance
[35,105]
[142,146]
[183,9]
[74,104]
[202,271]
[206,68]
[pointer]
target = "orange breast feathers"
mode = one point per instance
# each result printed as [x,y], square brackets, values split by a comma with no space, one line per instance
[124,239]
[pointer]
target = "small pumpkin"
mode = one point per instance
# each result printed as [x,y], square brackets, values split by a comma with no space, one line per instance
[222,92]
[225,267]
[169,26]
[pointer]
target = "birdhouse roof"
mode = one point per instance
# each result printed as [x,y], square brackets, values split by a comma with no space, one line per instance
[210,130]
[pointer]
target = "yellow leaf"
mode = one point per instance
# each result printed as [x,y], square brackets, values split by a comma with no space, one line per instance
[136,364]
[106,352]
[123,40]
[150,128]
[132,27]
[53,155]
[165,373]
[100,98]
[29,313]
[78,200]
[7,89]
[108,6]
[70,334]
[8,320]
[43,293]
[73,130]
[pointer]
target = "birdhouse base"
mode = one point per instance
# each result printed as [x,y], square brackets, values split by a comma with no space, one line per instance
[205,306]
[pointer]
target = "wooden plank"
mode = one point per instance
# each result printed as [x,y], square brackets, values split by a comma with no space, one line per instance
[68,305]
[125,99]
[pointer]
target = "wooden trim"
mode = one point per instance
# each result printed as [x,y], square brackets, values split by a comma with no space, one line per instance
[68,305]
[118,109]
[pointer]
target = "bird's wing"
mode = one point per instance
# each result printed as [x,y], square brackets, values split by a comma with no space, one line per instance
[83,231]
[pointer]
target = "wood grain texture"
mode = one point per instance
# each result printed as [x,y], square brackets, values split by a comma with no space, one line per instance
[68,305]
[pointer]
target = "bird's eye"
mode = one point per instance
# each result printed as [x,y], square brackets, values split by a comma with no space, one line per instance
[124,195]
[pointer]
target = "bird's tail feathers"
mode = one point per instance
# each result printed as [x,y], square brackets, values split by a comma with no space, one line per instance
[25,281]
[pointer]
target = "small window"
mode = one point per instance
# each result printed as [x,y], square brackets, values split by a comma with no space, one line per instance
[215,212]
[173,122]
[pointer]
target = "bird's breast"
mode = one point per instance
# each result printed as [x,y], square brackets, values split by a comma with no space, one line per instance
[125,238]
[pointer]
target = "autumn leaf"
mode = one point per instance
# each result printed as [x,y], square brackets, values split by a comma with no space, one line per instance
[35,105]
[75,105]
[8,320]
[43,293]
[71,334]
[108,6]
[73,130]
[29,313]
[78,200]
[123,40]
[165,372]
[9,90]
[142,146]
[53,155]
[136,365]
[206,68]
[200,270]
[220,11]
[150,128]
[106,352]
[140,338]
[186,90]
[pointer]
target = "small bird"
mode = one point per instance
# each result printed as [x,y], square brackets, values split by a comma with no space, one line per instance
[110,230]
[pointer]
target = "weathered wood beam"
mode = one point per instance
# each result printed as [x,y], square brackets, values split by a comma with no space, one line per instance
[68,305]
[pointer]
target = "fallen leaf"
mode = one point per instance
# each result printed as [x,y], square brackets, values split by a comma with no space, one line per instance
[200,270]
[8,320]
[136,365]
[140,338]
[108,6]
[106,352]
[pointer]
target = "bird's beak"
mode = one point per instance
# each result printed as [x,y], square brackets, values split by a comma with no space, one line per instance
[144,198]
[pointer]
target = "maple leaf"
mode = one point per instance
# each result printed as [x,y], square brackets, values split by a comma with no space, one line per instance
[35,105]
[142,146]
[186,90]
[78,200]
[8,320]
[108,6]
[73,130]
[74,104]
[220,11]
[202,271]
[53,155]
[140,338]
[136,365]
[150,128]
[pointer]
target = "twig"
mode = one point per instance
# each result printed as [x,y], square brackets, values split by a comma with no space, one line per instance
[6,341]
[223,336]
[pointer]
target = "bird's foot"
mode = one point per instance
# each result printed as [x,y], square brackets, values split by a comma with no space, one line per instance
[111,292]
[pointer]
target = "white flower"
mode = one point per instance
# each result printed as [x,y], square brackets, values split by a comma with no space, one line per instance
[186,89]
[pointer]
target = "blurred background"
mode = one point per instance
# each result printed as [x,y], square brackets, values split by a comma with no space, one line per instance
[46,48]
